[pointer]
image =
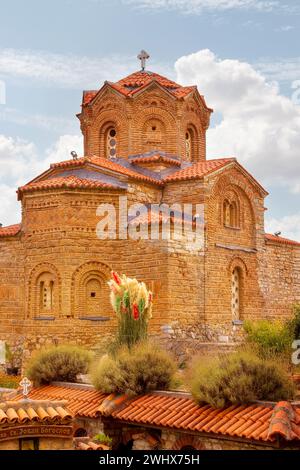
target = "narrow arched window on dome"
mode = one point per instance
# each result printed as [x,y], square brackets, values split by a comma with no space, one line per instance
[111,142]
[188,145]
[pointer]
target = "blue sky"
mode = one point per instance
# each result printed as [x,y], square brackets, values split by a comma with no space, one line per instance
[242,54]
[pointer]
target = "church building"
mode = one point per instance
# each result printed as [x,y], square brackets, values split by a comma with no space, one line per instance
[144,142]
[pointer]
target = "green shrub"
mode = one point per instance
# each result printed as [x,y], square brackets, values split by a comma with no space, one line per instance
[103,439]
[61,363]
[271,339]
[239,378]
[134,371]
[294,324]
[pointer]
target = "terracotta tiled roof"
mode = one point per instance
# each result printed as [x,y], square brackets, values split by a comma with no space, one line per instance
[256,422]
[198,170]
[82,401]
[90,445]
[284,241]
[10,230]
[24,411]
[114,166]
[131,169]
[155,159]
[260,422]
[137,81]
[88,95]
[68,182]
[108,164]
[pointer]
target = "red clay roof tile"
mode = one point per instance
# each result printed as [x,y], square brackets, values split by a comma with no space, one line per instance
[155,159]
[137,81]
[81,401]
[284,241]
[199,170]
[10,230]
[24,411]
[173,410]
[65,182]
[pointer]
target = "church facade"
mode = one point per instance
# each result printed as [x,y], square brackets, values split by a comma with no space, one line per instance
[144,142]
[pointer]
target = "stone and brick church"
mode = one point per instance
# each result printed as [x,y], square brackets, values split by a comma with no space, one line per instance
[144,138]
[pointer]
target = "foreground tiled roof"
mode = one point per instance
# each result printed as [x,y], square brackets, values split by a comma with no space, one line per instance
[10,230]
[68,182]
[256,422]
[82,401]
[284,241]
[89,445]
[137,81]
[25,411]
[259,422]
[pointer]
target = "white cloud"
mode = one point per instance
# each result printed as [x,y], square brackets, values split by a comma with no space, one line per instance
[198,6]
[20,162]
[39,121]
[289,226]
[66,71]
[285,28]
[259,126]
[279,69]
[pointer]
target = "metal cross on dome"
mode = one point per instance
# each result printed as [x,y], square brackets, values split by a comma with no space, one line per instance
[25,385]
[143,56]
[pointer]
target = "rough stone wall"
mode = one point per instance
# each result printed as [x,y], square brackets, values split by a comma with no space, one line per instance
[11,288]
[150,121]
[280,279]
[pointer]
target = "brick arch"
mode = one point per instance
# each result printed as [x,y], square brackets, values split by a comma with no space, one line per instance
[33,289]
[97,131]
[229,183]
[90,271]
[169,140]
[226,184]
[191,120]
[190,441]
[238,264]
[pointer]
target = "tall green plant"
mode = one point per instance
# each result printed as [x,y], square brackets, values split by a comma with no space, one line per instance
[294,323]
[271,339]
[132,303]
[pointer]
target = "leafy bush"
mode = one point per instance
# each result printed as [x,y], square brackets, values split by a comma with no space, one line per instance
[239,378]
[270,338]
[61,363]
[294,324]
[103,439]
[134,371]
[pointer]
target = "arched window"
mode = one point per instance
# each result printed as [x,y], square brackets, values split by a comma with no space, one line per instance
[188,145]
[45,288]
[226,213]
[191,144]
[231,216]
[111,142]
[236,294]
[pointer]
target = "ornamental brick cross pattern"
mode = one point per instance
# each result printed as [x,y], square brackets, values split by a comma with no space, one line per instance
[25,384]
